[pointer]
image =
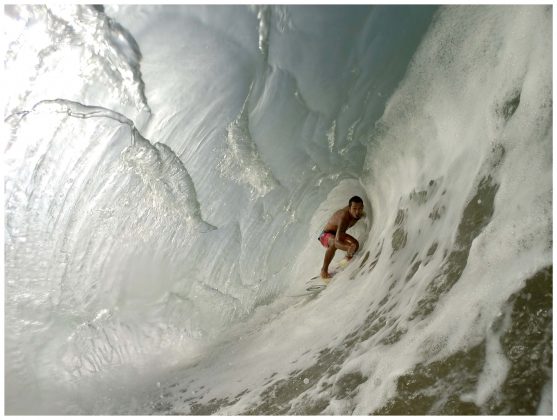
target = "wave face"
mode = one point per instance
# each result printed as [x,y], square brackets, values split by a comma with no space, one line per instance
[168,169]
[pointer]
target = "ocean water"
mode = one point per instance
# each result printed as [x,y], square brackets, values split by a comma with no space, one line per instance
[167,170]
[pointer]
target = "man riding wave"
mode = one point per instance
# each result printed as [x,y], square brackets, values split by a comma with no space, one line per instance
[334,234]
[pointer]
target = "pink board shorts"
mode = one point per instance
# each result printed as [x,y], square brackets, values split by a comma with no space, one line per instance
[324,238]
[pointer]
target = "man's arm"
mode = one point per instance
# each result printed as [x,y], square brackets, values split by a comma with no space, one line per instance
[340,237]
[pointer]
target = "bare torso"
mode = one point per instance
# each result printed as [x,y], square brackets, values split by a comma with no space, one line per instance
[337,218]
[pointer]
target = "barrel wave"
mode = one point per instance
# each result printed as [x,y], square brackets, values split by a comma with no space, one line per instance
[169,168]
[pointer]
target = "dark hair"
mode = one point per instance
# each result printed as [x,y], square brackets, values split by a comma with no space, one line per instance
[355,199]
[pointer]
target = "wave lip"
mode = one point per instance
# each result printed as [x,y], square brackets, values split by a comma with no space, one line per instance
[72,52]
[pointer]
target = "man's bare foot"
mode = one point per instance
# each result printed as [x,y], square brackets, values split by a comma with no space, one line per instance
[325,276]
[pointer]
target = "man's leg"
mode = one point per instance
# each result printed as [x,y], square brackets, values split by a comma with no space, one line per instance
[354,246]
[329,254]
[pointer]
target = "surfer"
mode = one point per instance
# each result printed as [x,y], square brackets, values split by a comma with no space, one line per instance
[334,235]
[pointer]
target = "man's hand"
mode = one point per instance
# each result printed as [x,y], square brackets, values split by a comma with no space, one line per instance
[351,251]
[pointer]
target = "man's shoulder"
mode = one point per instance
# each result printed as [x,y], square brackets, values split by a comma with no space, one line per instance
[343,215]
[345,212]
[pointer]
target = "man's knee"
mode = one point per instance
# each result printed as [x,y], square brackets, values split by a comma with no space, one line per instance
[354,242]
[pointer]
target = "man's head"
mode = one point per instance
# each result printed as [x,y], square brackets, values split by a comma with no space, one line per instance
[356,207]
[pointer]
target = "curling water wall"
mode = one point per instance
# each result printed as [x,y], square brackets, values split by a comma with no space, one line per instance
[168,170]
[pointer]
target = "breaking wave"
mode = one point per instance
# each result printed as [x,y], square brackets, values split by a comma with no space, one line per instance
[167,174]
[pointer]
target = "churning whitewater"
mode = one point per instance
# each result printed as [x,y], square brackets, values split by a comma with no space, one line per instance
[168,170]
